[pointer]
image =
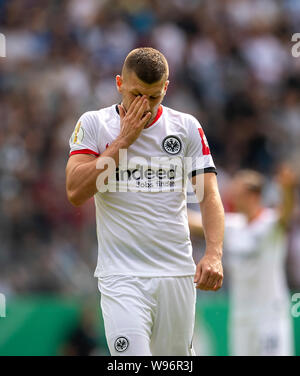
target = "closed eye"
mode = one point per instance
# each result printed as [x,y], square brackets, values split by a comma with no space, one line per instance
[140,95]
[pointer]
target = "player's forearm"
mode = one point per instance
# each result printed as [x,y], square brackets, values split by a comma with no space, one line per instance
[287,205]
[213,223]
[82,180]
[287,179]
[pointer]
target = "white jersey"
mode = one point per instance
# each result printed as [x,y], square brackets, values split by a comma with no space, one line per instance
[143,231]
[255,253]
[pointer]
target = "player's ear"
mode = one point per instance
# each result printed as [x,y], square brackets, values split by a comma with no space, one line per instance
[119,82]
[166,86]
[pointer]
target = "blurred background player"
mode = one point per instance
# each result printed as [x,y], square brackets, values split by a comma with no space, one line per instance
[256,246]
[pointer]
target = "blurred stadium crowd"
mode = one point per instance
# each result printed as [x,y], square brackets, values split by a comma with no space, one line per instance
[230,66]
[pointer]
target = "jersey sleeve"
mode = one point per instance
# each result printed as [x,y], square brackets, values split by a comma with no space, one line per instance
[198,152]
[84,139]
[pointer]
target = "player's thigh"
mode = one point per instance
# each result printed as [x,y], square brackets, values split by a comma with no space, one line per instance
[127,315]
[175,317]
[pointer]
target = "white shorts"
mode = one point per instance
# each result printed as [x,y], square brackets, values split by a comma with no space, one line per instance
[148,316]
[268,336]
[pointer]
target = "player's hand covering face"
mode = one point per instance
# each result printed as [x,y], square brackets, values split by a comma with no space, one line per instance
[134,120]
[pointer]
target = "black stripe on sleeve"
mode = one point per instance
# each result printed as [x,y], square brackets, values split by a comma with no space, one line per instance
[203,171]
